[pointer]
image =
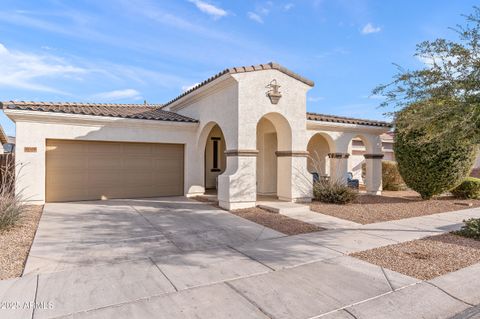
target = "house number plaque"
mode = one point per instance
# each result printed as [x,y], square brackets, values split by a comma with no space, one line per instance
[30,149]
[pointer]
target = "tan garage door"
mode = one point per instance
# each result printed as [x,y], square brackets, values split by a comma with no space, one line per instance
[84,170]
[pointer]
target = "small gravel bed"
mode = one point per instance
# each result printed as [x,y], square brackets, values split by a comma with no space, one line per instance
[207,199]
[367,209]
[15,243]
[281,223]
[426,258]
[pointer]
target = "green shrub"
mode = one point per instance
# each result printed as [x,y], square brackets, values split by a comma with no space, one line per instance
[391,178]
[430,166]
[333,192]
[471,229]
[469,188]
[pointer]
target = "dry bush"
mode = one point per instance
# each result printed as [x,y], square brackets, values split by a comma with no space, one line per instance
[11,204]
[333,192]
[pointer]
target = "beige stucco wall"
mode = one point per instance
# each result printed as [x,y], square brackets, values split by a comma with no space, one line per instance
[32,130]
[236,103]
[339,137]
[288,118]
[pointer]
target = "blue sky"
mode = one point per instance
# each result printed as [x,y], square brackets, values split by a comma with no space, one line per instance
[127,51]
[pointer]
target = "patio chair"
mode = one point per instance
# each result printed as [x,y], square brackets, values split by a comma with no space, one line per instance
[352,182]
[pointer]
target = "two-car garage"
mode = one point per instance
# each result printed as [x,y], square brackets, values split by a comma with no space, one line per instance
[91,170]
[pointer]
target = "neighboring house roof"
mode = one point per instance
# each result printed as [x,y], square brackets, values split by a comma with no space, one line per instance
[345,120]
[131,111]
[3,136]
[243,69]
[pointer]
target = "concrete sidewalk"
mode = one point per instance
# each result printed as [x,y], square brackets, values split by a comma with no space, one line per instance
[304,276]
[341,287]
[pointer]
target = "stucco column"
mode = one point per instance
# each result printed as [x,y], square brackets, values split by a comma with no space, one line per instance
[338,166]
[373,178]
[294,182]
[194,171]
[237,185]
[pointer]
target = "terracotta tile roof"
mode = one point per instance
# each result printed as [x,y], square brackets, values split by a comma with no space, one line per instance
[345,120]
[243,69]
[130,111]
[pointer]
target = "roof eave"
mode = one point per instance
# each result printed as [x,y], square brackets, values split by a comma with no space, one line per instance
[336,126]
[237,70]
[58,117]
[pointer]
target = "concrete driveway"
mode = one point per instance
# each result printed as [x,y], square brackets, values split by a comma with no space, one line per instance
[178,258]
[101,232]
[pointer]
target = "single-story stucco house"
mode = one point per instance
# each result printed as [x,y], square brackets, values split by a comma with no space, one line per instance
[245,132]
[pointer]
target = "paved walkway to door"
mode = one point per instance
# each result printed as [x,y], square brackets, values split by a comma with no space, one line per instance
[178,258]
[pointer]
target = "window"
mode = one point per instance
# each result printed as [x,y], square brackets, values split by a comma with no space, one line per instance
[216,141]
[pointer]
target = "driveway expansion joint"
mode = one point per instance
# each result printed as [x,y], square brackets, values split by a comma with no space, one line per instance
[350,313]
[251,258]
[449,294]
[387,279]
[270,316]
[166,277]
[36,293]
[362,301]
[154,227]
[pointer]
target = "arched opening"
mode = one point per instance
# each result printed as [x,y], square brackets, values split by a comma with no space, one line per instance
[214,158]
[267,146]
[318,161]
[357,148]
[274,162]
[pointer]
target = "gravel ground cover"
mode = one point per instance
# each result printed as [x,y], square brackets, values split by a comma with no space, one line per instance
[15,243]
[367,209]
[286,225]
[281,223]
[426,258]
[206,199]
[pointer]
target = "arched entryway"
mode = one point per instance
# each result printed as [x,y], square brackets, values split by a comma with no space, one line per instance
[274,143]
[319,147]
[267,146]
[357,148]
[214,158]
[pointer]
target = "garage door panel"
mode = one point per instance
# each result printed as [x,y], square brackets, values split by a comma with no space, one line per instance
[133,148]
[86,170]
[65,146]
[60,162]
[60,177]
[138,163]
[170,150]
[105,162]
[105,178]
[167,165]
[104,148]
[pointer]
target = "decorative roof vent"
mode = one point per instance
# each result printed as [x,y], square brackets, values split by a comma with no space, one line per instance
[274,94]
